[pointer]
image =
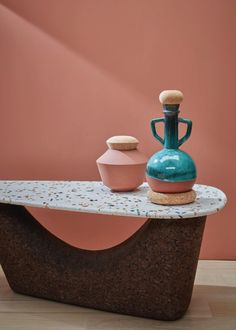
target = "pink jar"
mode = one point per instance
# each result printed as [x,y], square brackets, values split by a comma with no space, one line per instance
[122,167]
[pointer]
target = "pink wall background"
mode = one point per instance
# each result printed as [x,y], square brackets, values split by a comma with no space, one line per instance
[75,72]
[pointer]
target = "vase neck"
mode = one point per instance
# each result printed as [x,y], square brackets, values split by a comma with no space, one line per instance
[171,126]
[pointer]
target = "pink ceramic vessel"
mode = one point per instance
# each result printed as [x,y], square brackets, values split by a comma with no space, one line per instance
[122,166]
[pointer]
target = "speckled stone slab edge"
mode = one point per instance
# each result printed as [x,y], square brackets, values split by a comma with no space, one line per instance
[94,197]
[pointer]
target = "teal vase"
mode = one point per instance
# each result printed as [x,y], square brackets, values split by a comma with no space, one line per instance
[171,170]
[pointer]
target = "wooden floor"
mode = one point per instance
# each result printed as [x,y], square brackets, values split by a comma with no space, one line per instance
[213,306]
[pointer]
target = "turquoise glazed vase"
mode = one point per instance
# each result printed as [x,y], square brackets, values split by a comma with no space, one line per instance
[171,170]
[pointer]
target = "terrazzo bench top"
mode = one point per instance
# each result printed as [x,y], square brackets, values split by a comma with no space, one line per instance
[94,197]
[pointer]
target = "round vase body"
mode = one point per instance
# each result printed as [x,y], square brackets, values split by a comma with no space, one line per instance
[122,170]
[171,171]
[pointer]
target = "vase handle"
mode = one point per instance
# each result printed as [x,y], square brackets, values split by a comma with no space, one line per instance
[153,128]
[188,131]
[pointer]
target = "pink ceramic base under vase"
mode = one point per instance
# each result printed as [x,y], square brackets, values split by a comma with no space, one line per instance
[169,187]
[122,167]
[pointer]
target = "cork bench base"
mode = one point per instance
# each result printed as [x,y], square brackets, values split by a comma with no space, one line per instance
[150,275]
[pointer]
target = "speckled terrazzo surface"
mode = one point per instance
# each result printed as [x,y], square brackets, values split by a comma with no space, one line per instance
[94,197]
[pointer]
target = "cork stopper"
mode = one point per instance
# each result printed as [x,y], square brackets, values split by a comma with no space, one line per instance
[171,97]
[122,142]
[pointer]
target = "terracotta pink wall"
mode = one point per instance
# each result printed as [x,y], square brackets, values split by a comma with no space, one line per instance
[75,72]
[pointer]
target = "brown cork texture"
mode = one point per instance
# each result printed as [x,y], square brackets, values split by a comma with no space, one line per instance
[150,275]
